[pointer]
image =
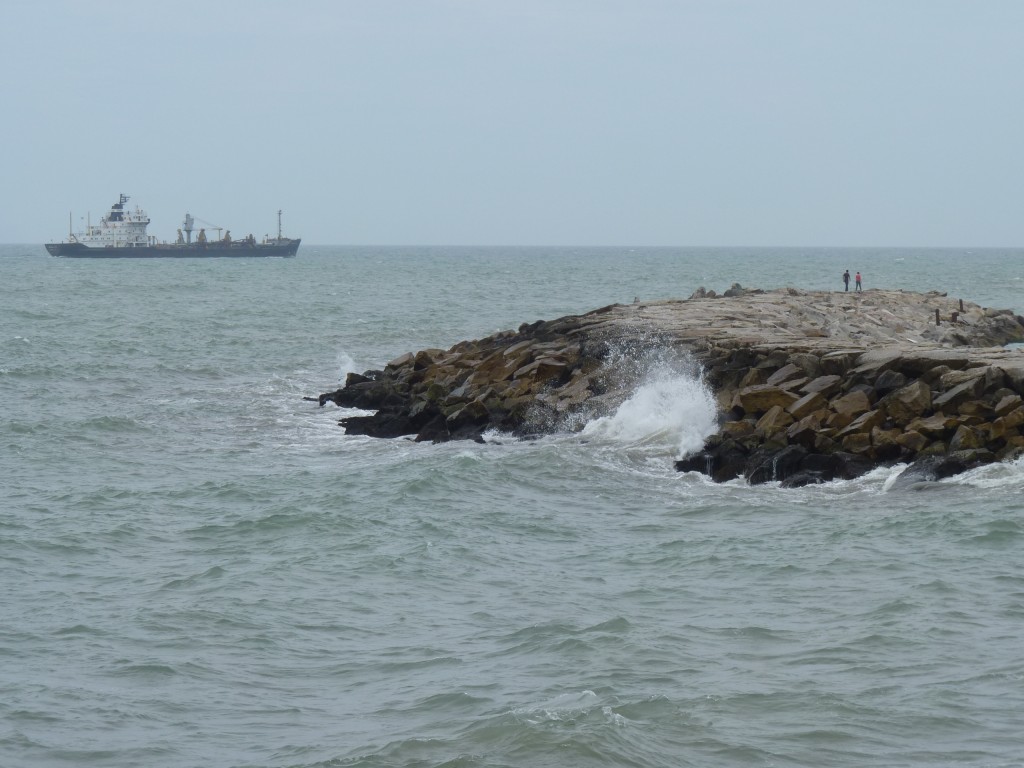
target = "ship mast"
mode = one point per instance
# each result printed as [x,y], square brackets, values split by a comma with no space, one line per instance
[279,225]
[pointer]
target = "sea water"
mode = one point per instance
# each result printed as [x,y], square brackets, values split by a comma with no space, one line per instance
[199,568]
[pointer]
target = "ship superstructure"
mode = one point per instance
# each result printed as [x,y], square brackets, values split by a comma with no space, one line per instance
[120,228]
[121,233]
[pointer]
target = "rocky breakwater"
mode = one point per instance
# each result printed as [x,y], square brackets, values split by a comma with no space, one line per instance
[537,379]
[810,385]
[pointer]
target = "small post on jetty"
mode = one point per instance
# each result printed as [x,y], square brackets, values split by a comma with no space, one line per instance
[961,305]
[937,320]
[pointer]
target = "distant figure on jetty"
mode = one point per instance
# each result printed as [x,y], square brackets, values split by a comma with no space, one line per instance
[858,282]
[846,280]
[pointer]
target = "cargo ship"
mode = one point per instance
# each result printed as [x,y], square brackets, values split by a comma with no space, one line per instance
[122,234]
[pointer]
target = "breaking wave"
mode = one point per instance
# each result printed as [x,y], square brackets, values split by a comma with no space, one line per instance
[671,406]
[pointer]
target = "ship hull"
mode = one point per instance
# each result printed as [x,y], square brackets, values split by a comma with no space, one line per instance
[165,251]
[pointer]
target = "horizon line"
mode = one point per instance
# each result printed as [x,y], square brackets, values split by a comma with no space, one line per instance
[631,245]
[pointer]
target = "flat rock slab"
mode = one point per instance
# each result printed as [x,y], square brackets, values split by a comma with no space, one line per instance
[820,321]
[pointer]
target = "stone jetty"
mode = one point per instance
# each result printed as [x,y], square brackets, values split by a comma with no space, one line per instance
[810,385]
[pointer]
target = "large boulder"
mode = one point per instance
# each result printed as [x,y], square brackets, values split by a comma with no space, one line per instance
[1007,403]
[889,381]
[936,426]
[807,404]
[951,399]
[966,438]
[721,461]
[825,385]
[806,431]
[774,421]
[385,423]
[863,424]
[763,397]
[912,441]
[931,468]
[786,373]
[852,405]
[768,466]
[907,402]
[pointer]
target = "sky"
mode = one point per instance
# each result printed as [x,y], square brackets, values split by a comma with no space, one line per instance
[520,122]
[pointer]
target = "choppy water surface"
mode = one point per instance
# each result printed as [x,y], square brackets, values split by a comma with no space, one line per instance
[199,568]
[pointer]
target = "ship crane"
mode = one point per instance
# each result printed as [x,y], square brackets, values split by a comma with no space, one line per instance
[208,224]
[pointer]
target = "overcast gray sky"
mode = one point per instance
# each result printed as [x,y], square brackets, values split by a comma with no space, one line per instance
[584,122]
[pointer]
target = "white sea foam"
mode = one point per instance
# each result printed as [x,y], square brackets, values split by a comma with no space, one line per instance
[565,706]
[891,475]
[1002,476]
[346,365]
[670,407]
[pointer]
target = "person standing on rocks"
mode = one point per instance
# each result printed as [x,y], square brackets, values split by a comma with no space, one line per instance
[857,285]
[846,280]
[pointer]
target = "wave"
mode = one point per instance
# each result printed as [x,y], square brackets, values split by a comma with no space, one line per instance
[998,476]
[346,365]
[671,407]
[1001,476]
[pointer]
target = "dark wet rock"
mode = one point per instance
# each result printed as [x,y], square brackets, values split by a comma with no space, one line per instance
[434,431]
[723,460]
[385,423]
[769,466]
[850,466]
[932,468]
[803,478]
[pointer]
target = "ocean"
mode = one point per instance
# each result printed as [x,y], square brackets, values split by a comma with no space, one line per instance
[199,568]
